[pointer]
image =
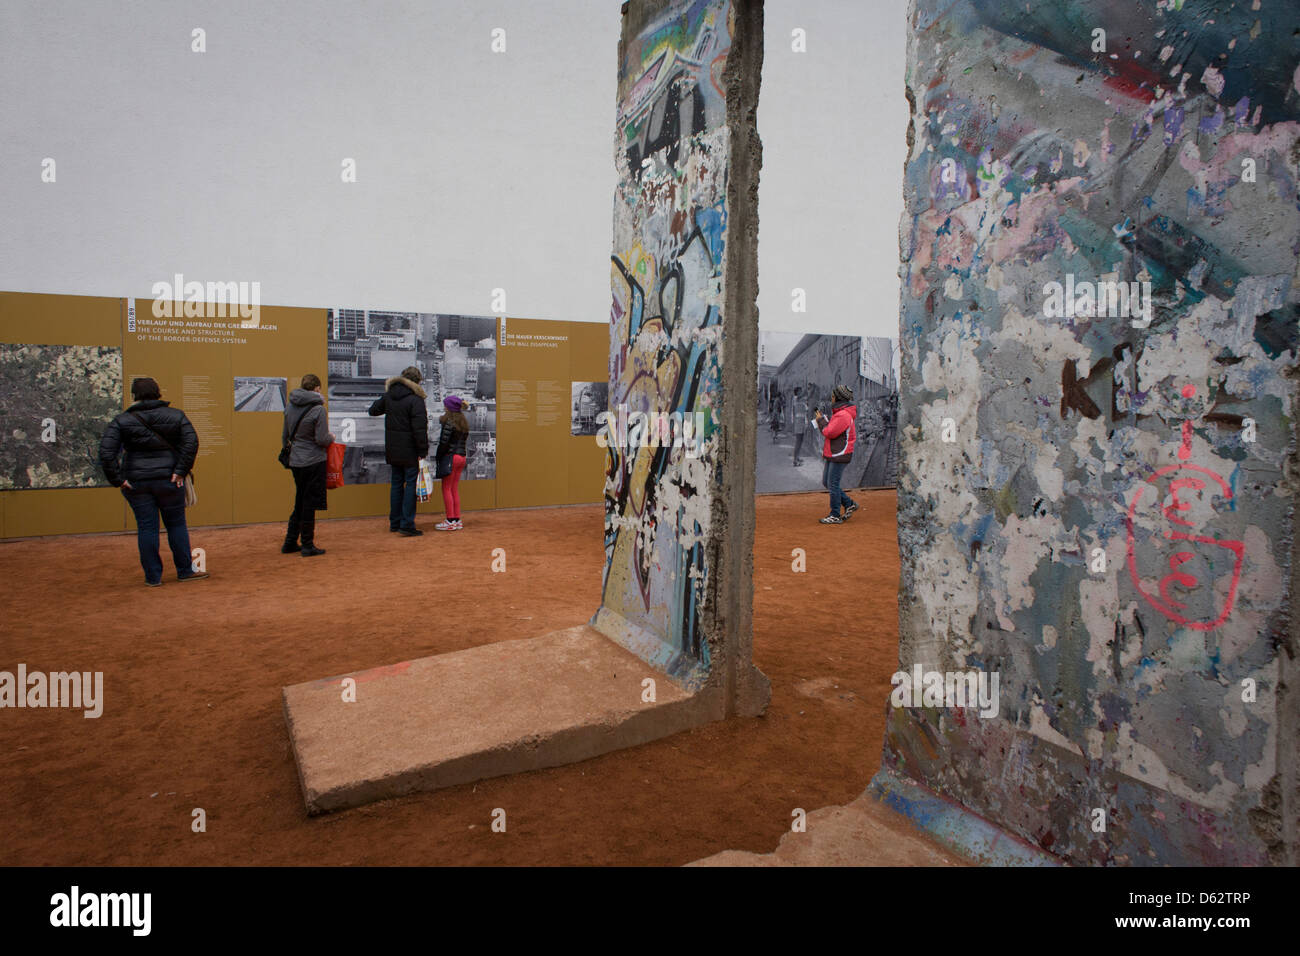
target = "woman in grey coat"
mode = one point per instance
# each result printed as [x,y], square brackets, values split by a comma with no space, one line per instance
[307,426]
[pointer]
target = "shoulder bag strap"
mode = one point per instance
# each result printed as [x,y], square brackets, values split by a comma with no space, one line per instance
[141,420]
[293,432]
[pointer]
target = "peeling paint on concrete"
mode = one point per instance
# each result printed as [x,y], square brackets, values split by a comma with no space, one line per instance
[1163,442]
[679,523]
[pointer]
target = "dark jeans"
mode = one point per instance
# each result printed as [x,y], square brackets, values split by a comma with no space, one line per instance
[148,499]
[832,472]
[309,489]
[401,501]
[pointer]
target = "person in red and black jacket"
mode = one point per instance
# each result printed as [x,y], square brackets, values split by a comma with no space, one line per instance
[841,435]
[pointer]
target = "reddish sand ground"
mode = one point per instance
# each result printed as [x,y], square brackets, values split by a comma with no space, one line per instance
[193,674]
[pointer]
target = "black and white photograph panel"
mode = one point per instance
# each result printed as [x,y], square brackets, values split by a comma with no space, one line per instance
[796,375]
[369,350]
[588,400]
[257,394]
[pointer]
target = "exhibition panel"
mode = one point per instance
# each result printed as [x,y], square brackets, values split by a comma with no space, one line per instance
[67,362]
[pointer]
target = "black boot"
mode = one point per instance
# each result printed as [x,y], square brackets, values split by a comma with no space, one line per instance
[309,549]
[291,535]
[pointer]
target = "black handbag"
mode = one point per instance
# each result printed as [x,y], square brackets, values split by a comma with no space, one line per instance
[443,466]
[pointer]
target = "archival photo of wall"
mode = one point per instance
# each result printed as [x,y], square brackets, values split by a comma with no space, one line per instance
[795,376]
[55,401]
[589,399]
[456,355]
[255,394]
[481,447]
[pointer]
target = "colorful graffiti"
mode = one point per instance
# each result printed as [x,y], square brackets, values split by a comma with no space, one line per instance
[670,225]
[1110,528]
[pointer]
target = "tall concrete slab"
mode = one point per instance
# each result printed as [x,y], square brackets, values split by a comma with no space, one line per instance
[679,489]
[1096,500]
[679,493]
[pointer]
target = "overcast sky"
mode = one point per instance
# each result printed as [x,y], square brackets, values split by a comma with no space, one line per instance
[475,170]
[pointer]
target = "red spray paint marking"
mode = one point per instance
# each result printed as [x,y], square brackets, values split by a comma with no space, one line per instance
[1165,603]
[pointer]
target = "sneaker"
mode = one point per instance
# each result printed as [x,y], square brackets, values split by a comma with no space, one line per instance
[445,526]
[848,511]
[409,532]
[457,526]
[394,530]
[832,519]
[192,576]
[153,584]
[310,551]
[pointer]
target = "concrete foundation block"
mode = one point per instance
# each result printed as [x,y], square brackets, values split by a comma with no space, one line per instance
[485,712]
[952,825]
[862,833]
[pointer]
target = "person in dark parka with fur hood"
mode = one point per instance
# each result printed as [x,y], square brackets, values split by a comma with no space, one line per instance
[157,446]
[406,441]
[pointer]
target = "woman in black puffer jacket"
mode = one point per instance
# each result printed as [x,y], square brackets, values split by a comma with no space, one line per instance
[157,445]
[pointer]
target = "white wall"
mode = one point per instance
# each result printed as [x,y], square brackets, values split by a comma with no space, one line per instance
[475,170]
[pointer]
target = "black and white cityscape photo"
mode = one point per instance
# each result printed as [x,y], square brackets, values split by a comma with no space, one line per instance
[456,355]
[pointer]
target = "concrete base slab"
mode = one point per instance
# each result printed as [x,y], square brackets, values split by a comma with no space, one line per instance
[953,825]
[484,712]
[896,822]
[862,833]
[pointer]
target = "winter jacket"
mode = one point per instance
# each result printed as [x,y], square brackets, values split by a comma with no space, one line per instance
[307,423]
[406,422]
[146,455]
[451,440]
[841,433]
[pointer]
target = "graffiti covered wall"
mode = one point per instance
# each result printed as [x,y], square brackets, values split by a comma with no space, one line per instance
[685,231]
[1098,339]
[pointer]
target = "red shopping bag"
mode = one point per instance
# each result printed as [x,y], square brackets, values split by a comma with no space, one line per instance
[334,465]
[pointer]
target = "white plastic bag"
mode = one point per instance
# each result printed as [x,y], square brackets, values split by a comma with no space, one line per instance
[424,484]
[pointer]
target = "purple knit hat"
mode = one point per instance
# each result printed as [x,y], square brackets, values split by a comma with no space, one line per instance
[453,403]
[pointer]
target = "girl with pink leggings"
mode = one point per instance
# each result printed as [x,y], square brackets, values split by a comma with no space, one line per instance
[455,434]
